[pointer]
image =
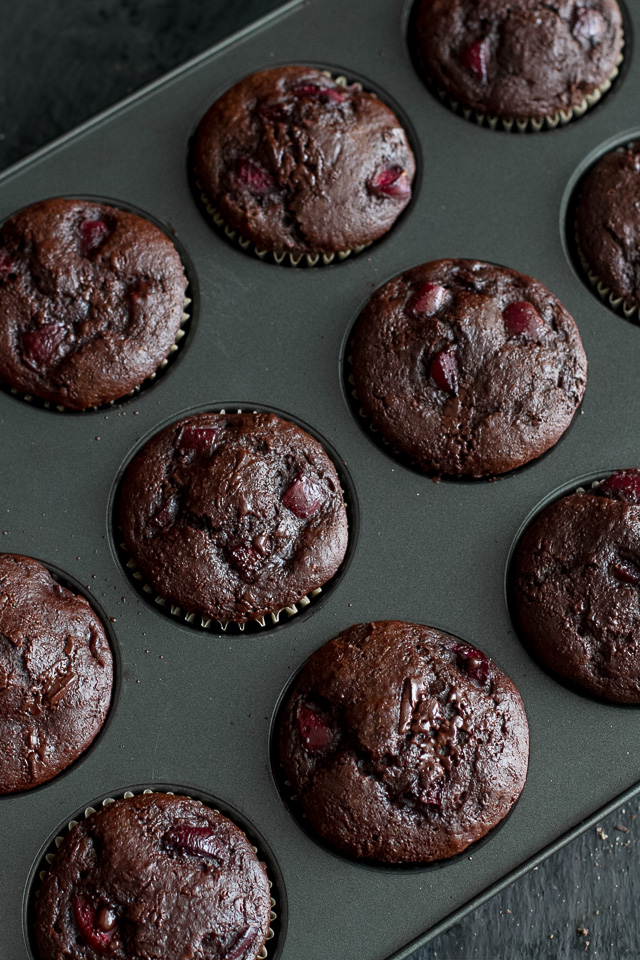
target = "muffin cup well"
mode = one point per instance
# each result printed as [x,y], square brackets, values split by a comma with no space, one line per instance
[274,619]
[48,856]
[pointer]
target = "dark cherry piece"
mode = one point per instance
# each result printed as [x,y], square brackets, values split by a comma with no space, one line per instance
[627,572]
[314,730]
[41,346]
[521,319]
[390,182]
[588,25]
[196,841]
[624,485]
[7,264]
[474,58]
[197,439]
[245,558]
[166,513]
[444,371]
[239,946]
[308,91]
[253,176]
[92,234]
[303,497]
[472,661]
[433,794]
[86,915]
[427,300]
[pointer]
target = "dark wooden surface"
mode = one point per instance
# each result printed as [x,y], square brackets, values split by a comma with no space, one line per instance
[61,61]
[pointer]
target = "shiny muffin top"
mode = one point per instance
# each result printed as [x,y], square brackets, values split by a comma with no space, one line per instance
[91,300]
[301,164]
[519,58]
[403,744]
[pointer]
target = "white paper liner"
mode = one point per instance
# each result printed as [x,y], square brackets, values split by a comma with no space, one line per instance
[60,408]
[59,840]
[280,257]
[530,124]
[617,303]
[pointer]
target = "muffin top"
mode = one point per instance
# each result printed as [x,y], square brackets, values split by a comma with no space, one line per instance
[403,744]
[56,674]
[518,58]
[468,368]
[300,164]
[233,516]
[608,221]
[154,876]
[91,300]
[575,588]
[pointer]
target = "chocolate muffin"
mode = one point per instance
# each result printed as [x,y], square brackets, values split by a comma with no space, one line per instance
[56,674]
[300,164]
[608,222]
[575,588]
[91,301]
[154,876]
[468,368]
[403,744]
[234,516]
[521,59]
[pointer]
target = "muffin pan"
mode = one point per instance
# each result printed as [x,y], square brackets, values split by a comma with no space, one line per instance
[195,707]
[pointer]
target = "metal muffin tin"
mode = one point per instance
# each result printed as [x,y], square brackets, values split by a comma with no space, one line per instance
[194,709]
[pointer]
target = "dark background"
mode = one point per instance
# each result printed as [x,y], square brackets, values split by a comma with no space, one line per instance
[61,62]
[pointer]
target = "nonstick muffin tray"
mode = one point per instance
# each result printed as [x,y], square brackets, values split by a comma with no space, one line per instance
[194,708]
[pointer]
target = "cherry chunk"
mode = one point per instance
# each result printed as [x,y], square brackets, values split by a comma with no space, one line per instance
[444,371]
[195,439]
[474,57]
[390,182]
[98,928]
[92,234]
[245,558]
[41,346]
[472,661]
[253,176]
[196,841]
[314,729]
[7,265]
[238,947]
[624,485]
[522,320]
[427,300]
[310,91]
[303,497]
[627,572]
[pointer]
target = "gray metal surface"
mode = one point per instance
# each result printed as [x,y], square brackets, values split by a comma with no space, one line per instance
[194,710]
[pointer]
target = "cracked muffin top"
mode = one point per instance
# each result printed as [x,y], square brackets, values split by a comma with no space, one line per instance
[403,744]
[154,876]
[608,221]
[234,516]
[300,164]
[519,58]
[91,300]
[468,368]
[56,674]
[575,588]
